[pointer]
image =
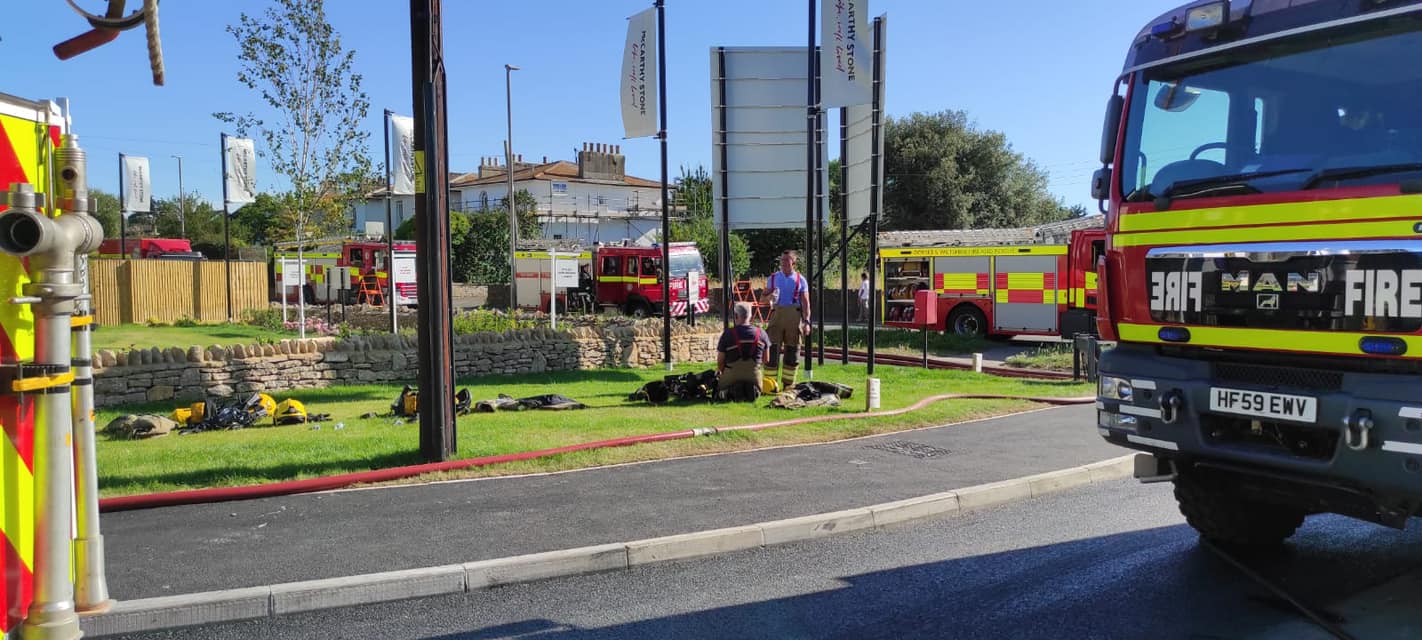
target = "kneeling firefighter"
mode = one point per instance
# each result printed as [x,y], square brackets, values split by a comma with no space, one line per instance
[741,354]
[790,293]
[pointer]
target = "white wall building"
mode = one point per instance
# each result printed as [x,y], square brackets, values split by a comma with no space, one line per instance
[592,200]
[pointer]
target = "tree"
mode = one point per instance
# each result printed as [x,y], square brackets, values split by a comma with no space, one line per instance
[292,57]
[480,239]
[945,173]
[257,223]
[693,191]
[106,209]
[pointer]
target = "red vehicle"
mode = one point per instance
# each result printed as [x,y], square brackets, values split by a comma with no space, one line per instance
[1263,276]
[161,248]
[340,270]
[625,277]
[996,290]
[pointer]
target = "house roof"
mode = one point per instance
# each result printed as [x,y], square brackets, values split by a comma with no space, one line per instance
[1049,233]
[557,170]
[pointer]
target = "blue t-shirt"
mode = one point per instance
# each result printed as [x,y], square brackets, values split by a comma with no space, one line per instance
[788,289]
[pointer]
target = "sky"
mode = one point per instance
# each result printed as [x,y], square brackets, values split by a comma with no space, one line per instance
[1038,71]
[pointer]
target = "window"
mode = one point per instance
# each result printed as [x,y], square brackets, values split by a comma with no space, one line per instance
[399,212]
[609,266]
[651,266]
[357,258]
[631,266]
[483,200]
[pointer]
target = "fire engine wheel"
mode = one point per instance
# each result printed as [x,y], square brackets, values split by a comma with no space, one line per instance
[1220,515]
[967,321]
[639,309]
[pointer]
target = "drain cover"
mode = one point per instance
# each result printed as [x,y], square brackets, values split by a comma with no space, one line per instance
[911,449]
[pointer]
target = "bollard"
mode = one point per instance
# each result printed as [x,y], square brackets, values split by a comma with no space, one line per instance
[871,394]
[977,363]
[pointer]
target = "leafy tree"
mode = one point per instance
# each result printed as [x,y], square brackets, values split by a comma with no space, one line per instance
[256,223]
[945,173]
[480,239]
[106,209]
[294,60]
[693,190]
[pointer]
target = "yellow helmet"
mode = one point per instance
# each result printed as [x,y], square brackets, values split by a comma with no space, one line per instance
[290,411]
[769,386]
[268,404]
[182,415]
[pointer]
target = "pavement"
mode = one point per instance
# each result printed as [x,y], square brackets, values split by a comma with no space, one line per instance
[199,548]
[1109,560]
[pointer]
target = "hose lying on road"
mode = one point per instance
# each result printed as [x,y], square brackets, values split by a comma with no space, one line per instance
[225,494]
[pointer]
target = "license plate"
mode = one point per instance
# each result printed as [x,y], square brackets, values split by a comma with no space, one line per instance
[1261,404]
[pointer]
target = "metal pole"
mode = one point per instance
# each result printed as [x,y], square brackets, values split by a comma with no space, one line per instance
[666,211]
[820,214]
[182,202]
[810,95]
[726,275]
[512,201]
[435,338]
[123,217]
[91,591]
[844,231]
[389,235]
[876,191]
[227,237]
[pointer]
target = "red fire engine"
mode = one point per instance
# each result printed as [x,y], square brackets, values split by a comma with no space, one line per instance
[1014,288]
[624,277]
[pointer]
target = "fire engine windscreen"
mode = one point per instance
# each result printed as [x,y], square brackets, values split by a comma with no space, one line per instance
[684,262]
[1312,111]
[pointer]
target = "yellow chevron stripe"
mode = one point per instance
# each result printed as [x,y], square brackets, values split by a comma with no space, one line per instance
[29,141]
[17,507]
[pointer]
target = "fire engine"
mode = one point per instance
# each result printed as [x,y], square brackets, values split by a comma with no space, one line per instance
[997,282]
[622,276]
[157,248]
[347,271]
[1263,269]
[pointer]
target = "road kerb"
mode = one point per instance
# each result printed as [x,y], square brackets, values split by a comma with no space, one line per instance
[816,526]
[892,513]
[329,593]
[233,605]
[693,545]
[147,614]
[538,566]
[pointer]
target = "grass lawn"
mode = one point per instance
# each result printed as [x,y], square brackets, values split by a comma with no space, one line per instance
[1056,357]
[272,454]
[130,336]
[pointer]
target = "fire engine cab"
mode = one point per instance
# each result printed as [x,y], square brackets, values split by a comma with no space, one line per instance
[625,277]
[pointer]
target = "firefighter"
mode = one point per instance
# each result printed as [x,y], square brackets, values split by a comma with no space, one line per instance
[790,293]
[741,354]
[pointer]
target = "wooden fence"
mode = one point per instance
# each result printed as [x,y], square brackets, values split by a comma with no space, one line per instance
[136,291]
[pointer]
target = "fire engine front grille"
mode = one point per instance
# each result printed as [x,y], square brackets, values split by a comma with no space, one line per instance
[1277,376]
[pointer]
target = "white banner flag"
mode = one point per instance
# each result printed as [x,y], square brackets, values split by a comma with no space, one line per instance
[137,191]
[401,163]
[846,53]
[240,183]
[639,76]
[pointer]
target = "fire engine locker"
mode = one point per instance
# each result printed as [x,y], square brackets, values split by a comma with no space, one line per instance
[1025,293]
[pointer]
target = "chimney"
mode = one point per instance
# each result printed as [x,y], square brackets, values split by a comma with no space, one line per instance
[601,161]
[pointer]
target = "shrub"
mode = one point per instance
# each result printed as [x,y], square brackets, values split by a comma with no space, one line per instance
[269,319]
[186,321]
[482,320]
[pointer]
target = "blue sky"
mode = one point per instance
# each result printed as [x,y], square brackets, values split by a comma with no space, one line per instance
[1038,71]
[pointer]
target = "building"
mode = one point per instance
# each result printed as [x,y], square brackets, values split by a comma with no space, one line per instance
[591,200]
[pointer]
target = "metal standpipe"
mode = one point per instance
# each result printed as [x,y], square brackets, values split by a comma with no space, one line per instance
[51,244]
[91,590]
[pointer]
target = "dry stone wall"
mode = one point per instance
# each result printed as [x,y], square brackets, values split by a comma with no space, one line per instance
[153,375]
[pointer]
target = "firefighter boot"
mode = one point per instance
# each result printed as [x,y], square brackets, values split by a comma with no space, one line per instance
[788,369]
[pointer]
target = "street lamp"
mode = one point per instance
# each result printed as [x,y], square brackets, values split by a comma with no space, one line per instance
[513,214]
[182,202]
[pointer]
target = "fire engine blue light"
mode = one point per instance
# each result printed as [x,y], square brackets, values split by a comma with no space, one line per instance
[1165,29]
[1380,346]
[1174,334]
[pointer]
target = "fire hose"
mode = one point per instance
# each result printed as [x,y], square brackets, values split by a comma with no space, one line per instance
[311,485]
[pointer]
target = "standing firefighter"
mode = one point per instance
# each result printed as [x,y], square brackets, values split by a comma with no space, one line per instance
[741,354]
[790,293]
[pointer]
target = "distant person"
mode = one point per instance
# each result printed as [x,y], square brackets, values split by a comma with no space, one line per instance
[863,296]
[741,356]
[790,293]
